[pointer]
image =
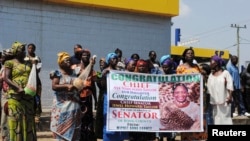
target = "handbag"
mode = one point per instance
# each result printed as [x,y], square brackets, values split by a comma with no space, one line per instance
[31,86]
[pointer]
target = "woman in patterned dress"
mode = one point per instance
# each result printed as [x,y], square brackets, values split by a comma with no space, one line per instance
[66,111]
[20,105]
[188,67]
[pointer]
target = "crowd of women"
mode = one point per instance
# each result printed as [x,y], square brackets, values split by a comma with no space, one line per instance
[75,84]
[18,108]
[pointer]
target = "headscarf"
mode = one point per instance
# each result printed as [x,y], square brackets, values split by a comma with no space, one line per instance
[141,62]
[17,47]
[164,58]
[168,62]
[218,60]
[128,60]
[62,56]
[110,56]
[7,52]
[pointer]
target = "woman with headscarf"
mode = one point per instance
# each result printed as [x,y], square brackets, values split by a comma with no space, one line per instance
[166,65]
[20,105]
[66,111]
[111,60]
[166,68]
[220,87]
[142,66]
[130,65]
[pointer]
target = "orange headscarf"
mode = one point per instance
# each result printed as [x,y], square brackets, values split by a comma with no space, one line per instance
[62,56]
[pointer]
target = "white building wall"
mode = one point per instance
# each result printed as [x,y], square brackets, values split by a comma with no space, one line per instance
[53,28]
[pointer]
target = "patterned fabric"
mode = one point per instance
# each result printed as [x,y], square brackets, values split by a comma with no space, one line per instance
[62,56]
[4,121]
[21,119]
[66,112]
[182,69]
[20,107]
[17,48]
[88,83]
[4,101]
[20,74]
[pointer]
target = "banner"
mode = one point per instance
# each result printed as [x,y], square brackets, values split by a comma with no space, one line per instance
[154,103]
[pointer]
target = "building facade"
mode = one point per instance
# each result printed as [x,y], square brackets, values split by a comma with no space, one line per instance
[101,27]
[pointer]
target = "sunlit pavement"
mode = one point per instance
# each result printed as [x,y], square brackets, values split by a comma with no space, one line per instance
[44,134]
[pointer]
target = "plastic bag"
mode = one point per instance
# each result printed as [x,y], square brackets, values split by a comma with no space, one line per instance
[79,82]
[31,86]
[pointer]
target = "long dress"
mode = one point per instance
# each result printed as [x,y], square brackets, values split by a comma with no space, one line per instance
[66,112]
[87,127]
[20,107]
[218,87]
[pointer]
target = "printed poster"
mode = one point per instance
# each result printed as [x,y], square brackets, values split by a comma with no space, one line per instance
[154,103]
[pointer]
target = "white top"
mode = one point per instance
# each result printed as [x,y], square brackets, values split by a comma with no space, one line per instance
[218,87]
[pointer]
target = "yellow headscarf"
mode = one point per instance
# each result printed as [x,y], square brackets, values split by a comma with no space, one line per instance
[62,56]
[17,47]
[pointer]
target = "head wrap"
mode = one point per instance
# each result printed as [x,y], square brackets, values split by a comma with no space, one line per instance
[17,47]
[168,62]
[110,56]
[62,56]
[128,60]
[141,62]
[7,52]
[218,60]
[164,58]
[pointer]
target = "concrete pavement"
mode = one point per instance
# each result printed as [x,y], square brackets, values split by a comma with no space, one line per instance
[44,134]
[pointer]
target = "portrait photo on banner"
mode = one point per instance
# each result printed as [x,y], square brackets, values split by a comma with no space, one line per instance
[179,106]
[154,103]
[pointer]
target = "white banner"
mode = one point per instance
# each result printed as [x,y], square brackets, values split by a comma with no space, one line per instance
[154,103]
